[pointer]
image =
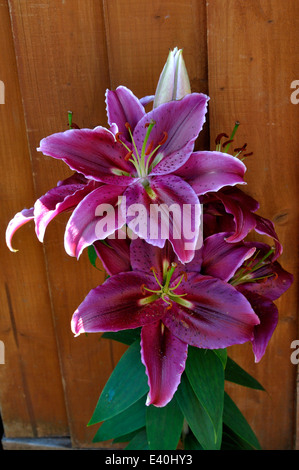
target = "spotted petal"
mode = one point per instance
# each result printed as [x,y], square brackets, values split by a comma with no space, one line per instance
[210,171]
[117,305]
[92,152]
[215,314]
[164,357]
[172,199]
[64,197]
[181,121]
[122,107]
[95,218]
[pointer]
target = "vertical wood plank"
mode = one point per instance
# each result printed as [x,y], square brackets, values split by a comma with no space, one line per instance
[62,65]
[253,58]
[31,395]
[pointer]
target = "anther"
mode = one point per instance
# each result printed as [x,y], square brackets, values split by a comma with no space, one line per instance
[219,137]
[247,154]
[165,137]
[128,126]
[129,155]
[149,149]
[227,142]
[142,288]
[240,149]
[117,137]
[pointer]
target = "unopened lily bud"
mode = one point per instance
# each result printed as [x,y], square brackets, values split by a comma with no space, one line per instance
[174,82]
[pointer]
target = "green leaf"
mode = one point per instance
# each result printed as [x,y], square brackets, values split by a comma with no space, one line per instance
[92,255]
[191,443]
[196,416]
[231,441]
[126,437]
[164,426]
[205,373]
[124,336]
[235,373]
[235,420]
[222,354]
[139,441]
[126,384]
[125,422]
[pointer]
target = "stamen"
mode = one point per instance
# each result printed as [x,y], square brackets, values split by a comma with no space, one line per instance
[183,276]
[154,271]
[219,137]
[248,154]
[127,125]
[165,137]
[149,148]
[227,143]
[232,136]
[117,137]
[129,155]
[240,149]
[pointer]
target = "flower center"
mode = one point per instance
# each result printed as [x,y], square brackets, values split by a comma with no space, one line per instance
[248,272]
[165,292]
[148,158]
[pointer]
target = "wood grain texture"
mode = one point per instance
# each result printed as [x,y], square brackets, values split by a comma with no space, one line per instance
[31,395]
[253,58]
[62,66]
[60,55]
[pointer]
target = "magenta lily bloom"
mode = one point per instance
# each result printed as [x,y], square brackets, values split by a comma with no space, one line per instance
[174,308]
[231,210]
[139,156]
[65,197]
[251,268]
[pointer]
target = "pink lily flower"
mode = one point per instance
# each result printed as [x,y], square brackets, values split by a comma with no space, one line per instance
[174,308]
[232,210]
[252,268]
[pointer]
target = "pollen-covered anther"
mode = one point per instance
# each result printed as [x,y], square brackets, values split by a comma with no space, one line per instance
[149,148]
[129,155]
[240,149]
[117,137]
[219,137]
[164,138]
[128,126]
[227,143]
[142,288]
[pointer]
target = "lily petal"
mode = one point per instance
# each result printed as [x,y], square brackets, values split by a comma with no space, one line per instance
[222,259]
[180,121]
[215,314]
[122,107]
[210,171]
[96,217]
[117,305]
[18,221]
[175,201]
[164,357]
[268,315]
[114,254]
[242,207]
[145,256]
[266,227]
[93,152]
[65,196]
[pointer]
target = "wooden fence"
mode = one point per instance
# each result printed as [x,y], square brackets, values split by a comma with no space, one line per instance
[60,55]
